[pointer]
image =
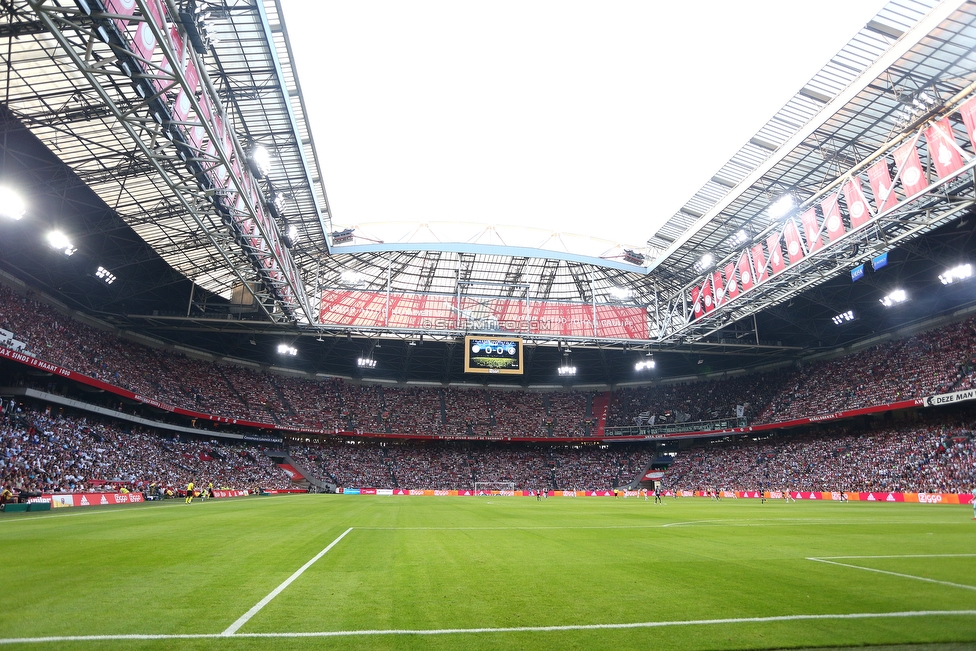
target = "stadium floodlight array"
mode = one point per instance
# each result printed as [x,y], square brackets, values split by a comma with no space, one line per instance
[567,370]
[285,349]
[895,297]
[843,317]
[737,240]
[60,242]
[961,272]
[366,362]
[105,275]
[11,204]
[781,207]
[621,293]
[705,262]
[645,364]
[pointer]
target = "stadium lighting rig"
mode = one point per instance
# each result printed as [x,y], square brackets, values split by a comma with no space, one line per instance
[567,370]
[781,207]
[961,272]
[105,275]
[843,317]
[740,237]
[366,362]
[705,262]
[260,161]
[895,297]
[285,349]
[645,364]
[12,205]
[621,293]
[60,242]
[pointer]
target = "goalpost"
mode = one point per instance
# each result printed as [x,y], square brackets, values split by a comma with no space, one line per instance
[502,488]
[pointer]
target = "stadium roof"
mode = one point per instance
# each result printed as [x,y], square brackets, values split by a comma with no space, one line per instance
[65,85]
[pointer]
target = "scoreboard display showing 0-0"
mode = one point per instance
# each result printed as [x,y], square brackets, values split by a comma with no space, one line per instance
[493,355]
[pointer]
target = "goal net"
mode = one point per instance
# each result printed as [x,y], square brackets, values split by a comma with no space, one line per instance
[503,488]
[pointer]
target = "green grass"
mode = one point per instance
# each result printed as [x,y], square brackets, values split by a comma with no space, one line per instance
[426,563]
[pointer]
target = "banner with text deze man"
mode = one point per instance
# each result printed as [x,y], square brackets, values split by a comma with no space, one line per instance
[59,500]
[429,312]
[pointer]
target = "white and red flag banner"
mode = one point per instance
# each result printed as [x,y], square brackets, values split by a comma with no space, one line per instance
[882,186]
[696,302]
[857,204]
[910,169]
[811,230]
[731,288]
[833,223]
[719,288]
[745,271]
[759,261]
[707,296]
[968,113]
[943,149]
[776,261]
[793,244]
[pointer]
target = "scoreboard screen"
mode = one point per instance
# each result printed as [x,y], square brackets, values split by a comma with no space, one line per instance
[493,355]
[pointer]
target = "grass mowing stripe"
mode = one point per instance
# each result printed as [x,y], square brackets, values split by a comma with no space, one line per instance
[232,629]
[908,556]
[470,631]
[904,576]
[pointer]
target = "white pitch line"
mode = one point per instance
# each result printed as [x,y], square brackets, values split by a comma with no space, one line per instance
[904,576]
[907,556]
[232,629]
[470,631]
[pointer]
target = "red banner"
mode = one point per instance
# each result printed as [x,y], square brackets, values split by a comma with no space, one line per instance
[60,500]
[943,149]
[696,302]
[719,286]
[857,204]
[968,113]
[794,247]
[438,312]
[833,223]
[910,169]
[731,288]
[811,229]
[745,271]
[759,263]
[775,253]
[882,187]
[707,294]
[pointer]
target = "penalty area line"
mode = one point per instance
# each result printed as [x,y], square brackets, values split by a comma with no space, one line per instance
[898,574]
[243,619]
[518,629]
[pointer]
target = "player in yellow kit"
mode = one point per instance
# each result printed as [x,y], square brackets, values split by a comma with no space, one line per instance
[189,492]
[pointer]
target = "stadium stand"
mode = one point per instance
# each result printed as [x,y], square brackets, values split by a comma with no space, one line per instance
[40,452]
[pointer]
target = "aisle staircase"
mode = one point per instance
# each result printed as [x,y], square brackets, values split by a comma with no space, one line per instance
[601,404]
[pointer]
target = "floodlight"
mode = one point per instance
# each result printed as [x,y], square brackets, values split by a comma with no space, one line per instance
[961,272]
[285,349]
[60,241]
[739,238]
[351,278]
[645,364]
[567,370]
[781,207]
[11,204]
[105,275]
[621,293]
[897,296]
[366,362]
[705,262]
[843,317]
[261,159]
[292,233]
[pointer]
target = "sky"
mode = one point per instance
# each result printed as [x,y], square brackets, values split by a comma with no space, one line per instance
[573,117]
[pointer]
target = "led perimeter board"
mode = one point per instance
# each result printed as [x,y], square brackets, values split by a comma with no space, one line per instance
[493,355]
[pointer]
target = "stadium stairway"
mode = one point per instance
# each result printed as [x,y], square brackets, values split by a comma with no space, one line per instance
[304,479]
[601,404]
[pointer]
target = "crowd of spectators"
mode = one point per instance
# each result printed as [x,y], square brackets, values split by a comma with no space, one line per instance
[939,360]
[915,457]
[41,452]
[457,465]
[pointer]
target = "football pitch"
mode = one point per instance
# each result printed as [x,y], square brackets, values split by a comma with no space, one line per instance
[365,572]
